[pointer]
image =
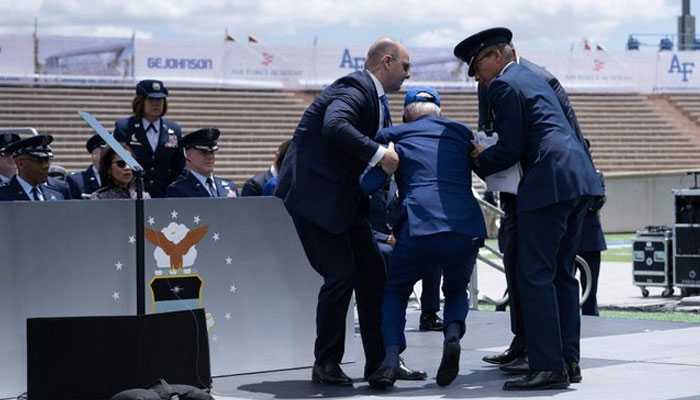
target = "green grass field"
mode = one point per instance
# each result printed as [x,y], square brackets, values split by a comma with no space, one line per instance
[619,247]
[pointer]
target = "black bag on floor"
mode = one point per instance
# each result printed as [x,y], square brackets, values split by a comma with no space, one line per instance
[161,390]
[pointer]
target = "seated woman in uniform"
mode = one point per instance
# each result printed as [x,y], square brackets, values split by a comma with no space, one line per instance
[117,178]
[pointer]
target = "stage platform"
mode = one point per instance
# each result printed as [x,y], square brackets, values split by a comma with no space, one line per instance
[621,359]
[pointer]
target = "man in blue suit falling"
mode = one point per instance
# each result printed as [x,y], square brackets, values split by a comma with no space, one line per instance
[441,224]
[555,190]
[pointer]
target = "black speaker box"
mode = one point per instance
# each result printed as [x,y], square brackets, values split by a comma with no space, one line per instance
[96,357]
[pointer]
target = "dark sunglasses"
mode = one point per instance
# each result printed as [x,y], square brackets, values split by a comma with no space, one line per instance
[405,64]
[120,163]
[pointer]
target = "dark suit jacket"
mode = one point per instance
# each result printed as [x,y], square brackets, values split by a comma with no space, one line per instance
[254,186]
[330,149]
[164,165]
[534,131]
[486,115]
[13,191]
[60,186]
[189,186]
[434,176]
[82,182]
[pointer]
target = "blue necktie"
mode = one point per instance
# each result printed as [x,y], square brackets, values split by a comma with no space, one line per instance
[385,108]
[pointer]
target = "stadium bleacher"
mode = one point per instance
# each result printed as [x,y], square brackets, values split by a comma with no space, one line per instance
[629,132]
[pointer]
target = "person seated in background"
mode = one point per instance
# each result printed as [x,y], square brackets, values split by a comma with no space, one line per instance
[255,186]
[152,138]
[83,183]
[440,225]
[117,178]
[8,169]
[32,157]
[200,148]
[271,184]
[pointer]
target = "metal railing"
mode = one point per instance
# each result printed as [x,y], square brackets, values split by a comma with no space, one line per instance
[583,267]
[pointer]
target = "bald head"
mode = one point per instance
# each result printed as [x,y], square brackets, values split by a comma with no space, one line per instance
[388,61]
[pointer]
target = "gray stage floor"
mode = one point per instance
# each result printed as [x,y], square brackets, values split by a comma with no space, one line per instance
[621,359]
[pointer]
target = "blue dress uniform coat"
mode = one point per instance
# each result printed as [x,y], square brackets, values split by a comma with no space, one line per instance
[164,165]
[318,182]
[82,182]
[13,191]
[556,189]
[441,223]
[509,224]
[189,186]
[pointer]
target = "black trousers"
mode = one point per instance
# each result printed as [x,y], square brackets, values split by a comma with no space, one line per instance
[590,306]
[347,261]
[509,227]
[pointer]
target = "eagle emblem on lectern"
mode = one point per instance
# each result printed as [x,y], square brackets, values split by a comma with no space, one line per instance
[175,245]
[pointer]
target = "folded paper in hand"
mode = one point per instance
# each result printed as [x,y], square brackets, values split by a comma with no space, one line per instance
[502,181]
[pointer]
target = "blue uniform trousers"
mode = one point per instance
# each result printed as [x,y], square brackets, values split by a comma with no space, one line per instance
[411,259]
[548,239]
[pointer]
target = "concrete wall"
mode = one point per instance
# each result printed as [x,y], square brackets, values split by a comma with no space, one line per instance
[637,200]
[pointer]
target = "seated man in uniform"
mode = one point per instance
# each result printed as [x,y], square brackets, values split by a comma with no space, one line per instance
[440,225]
[7,164]
[33,158]
[83,183]
[200,147]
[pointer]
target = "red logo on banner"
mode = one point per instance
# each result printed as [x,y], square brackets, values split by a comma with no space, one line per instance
[598,65]
[267,58]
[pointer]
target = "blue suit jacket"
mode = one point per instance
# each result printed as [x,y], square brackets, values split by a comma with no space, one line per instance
[164,165]
[533,130]
[82,182]
[330,149]
[434,177]
[189,186]
[13,192]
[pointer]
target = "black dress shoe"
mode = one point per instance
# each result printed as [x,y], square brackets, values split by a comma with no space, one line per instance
[404,373]
[430,322]
[574,371]
[382,378]
[502,358]
[539,380]
[519,366]
[370,368]
[449,366]
[330,374]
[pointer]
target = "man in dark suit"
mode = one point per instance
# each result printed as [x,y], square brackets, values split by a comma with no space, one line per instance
[7,163]
[440,226]
[200,148]
[591,244]
[514,359]
[556,189]
[83,183]
[318,181]
[152,138]
[33,158]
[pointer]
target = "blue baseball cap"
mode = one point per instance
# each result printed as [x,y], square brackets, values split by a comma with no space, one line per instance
[413,95]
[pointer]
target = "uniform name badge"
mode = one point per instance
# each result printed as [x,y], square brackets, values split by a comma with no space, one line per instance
[506,180]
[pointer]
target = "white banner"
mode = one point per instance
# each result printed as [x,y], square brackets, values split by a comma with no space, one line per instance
[105,60]
[85,59]
[16,57]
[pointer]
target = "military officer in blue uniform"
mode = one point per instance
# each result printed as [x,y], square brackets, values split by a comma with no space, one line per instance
[7,162]
[83,183]
[514,359]
[153,139]
[33,158]
[555,191]
[200,148]
[440,225]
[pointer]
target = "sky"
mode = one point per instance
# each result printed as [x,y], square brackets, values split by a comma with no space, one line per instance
[539,25]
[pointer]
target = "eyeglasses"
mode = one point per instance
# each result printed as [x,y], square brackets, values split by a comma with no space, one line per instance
[120,163]
[405,64]
[476,63]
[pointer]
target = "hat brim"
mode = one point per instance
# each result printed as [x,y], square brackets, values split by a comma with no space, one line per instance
[157,95]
